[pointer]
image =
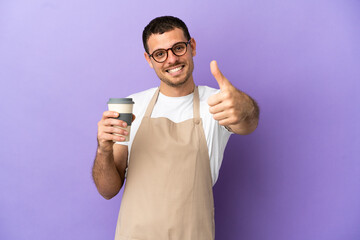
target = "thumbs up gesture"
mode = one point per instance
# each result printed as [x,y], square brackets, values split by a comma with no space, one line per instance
[231,107]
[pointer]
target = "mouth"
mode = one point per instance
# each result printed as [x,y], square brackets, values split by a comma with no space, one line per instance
[175,70]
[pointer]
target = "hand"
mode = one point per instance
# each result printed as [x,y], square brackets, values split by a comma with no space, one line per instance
[107,126]
[230,105]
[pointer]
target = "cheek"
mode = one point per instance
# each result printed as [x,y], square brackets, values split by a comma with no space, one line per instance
[157,69]
[191,64]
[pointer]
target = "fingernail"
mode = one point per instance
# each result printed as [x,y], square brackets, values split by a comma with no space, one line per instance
[124,124]
[116,114]
[126,133]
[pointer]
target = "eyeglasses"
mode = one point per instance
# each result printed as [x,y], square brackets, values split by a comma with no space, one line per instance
[178,49]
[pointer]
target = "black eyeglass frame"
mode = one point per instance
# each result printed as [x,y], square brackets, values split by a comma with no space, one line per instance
[166,50]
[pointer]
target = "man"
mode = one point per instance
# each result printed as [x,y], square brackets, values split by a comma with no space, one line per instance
[177,143]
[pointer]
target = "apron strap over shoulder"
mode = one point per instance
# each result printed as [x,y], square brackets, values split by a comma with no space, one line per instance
[152,103]
[196,103]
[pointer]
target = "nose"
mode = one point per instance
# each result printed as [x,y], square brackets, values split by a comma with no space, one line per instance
[172,58]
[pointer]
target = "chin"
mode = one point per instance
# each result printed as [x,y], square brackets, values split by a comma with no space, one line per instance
[174,83]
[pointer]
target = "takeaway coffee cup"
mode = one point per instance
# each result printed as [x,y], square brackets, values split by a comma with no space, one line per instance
[124,107]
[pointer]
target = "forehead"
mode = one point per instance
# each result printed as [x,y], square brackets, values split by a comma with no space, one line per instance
[165,40]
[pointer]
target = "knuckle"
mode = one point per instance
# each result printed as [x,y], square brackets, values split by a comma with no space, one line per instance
[227,94]
[227,104]
[100,131]
[100,136]
[231,102]
[105,114]
[105,122]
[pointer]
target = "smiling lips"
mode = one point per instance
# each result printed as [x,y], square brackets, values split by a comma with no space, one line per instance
[176,69]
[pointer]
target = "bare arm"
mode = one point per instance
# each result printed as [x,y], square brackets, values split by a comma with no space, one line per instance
[111,159]
[109,170]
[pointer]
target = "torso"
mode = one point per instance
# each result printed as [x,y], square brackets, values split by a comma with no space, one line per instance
[168,190]
[180,109]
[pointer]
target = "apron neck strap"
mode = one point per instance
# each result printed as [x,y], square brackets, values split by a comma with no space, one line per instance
[196,104]
[152,103]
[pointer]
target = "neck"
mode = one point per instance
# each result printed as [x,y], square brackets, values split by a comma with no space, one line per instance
[177,91]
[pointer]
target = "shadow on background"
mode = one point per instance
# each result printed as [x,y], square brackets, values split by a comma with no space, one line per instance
[238,185]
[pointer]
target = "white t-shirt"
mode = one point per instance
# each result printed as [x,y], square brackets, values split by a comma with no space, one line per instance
[179,109]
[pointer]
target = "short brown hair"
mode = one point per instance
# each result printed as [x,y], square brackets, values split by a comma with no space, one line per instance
[161,25]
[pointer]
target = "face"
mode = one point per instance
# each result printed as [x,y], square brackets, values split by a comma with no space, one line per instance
[175,71]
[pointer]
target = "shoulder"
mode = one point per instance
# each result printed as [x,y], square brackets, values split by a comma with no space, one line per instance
[141,100]
[143,94]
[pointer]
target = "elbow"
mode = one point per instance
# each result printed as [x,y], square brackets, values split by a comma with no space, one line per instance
[249,130]
[107,197]
[109,193]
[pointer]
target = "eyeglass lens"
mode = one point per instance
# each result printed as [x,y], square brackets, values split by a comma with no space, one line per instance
[178,49]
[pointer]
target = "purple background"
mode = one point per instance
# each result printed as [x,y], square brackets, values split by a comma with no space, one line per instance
[296,177]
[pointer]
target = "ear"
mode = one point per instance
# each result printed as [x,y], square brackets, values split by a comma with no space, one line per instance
[193,46]
[148,59]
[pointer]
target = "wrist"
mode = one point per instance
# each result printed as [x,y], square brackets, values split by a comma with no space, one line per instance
[104,151]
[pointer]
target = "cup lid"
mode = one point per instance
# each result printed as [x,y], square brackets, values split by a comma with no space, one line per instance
[120,101]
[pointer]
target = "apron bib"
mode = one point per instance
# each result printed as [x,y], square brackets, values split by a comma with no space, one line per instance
[168,190]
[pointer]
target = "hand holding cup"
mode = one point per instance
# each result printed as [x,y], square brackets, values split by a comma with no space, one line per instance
[111,129]
[115,123]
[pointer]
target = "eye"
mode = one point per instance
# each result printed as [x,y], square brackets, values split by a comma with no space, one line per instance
[179,47]
[159,54]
